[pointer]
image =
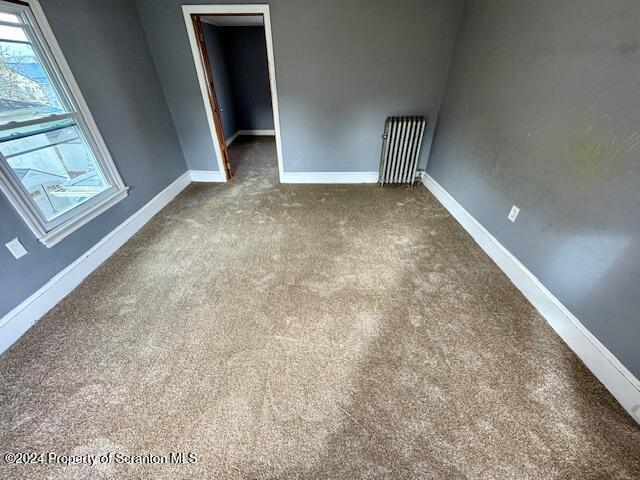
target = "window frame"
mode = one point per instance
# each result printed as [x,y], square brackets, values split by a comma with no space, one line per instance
[45,45]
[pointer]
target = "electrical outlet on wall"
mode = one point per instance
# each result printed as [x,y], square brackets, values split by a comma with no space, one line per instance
[513,214]
[16,248]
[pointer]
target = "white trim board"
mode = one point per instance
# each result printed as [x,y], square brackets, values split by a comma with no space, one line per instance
[257,133]
[210,9]
[206,176]
[622,384]
[329,177]
[230,140]
[22,317]
[252,133]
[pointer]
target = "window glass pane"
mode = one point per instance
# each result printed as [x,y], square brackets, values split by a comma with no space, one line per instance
[9,17]
[35,128]
[55,166]
[26,90]
[13,34]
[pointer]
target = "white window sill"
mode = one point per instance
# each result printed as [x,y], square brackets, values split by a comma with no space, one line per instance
[56,235]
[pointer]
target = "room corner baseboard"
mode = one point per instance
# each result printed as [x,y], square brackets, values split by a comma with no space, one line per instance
[206,176]
[253,133]
[15,323]
[256,132]
[329,177]
[230,140]
[622,384]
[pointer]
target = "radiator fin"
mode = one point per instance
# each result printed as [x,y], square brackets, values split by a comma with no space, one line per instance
[401,149]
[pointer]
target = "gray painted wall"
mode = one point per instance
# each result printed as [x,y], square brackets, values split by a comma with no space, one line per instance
[341,67]
[105,47]
[542,110]
[219,61]
[246,51]
[238,58]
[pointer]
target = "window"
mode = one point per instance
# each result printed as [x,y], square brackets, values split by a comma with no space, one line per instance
[54,166]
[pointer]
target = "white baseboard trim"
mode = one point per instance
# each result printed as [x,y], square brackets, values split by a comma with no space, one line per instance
[21,318]
[253,133]
[230,140]
[206,176]
[329,177]
[256,132]
[622,384]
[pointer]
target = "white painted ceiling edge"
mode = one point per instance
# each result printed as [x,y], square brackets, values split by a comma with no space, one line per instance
[233,20]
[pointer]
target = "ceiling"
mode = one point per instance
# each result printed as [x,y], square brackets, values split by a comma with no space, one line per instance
[233,20]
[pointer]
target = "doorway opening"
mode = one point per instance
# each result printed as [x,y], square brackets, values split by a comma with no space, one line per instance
[233,56]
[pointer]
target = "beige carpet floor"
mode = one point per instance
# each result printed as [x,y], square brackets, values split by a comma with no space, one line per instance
[282,331]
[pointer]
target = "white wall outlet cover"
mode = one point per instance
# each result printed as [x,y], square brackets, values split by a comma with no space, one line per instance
[513,214]
[16,248]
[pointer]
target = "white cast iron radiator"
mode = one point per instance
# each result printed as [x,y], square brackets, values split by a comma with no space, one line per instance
[401,144]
